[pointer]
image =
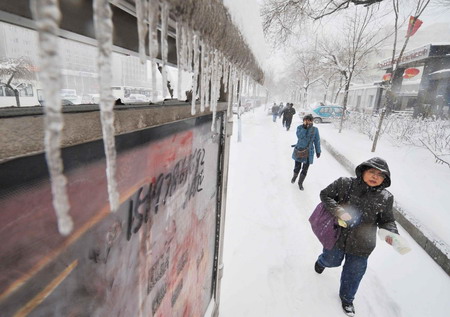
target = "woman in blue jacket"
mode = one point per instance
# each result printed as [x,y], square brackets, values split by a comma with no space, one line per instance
[307,137]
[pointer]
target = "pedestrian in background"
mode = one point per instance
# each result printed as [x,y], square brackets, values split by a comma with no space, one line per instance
[307,138]
[275,110]
[363,204]
[287,114]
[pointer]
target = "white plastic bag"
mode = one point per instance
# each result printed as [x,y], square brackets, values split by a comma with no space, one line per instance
[398,242]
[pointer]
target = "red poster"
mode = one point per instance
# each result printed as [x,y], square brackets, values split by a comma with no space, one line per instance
[153,257]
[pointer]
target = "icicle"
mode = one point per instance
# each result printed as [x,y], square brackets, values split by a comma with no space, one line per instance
[254,88]
[104,33]
[180,44]
[203,76]
[226,68]
[164,80]
[164,43]
[141,10]
[47,16]
[235,86]
[190,42]
[153,10]
[215,87]
[154,89]
[209,58]
[246,85]
[153,44]
[195,75]
[230,90]
[241,79]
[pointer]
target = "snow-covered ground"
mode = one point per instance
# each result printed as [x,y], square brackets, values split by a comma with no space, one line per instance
[270,250]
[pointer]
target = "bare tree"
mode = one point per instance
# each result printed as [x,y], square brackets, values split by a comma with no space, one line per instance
[420,7]
[306,71]
[14,69]
[346,55]
[326,81]
[282,17]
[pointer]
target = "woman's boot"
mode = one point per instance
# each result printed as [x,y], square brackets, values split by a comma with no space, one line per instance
[294,178]
[300,181]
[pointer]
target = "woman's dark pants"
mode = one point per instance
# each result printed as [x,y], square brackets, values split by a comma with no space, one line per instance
[352,272]
[303,166]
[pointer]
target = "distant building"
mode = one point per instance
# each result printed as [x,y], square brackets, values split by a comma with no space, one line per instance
[427,92]
[78,62]
[430,95]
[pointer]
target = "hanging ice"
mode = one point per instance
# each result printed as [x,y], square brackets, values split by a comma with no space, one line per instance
[154,89]
[141,10]
[153,45]
[215,86]
[153,10]
[195,75]
[230,90]
[47,16]
[180,57]
[190,43]
[164,44]
[203,76]
[226,68]
[103,31]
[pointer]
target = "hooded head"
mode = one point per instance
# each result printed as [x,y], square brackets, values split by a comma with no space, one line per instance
[308,117]
[379,164]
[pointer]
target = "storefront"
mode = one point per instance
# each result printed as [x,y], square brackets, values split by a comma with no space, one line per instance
[429,66]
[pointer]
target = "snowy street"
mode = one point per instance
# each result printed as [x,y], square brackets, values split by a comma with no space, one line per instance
[270,250]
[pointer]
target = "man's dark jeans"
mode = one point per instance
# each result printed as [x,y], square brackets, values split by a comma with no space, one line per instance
[352,272]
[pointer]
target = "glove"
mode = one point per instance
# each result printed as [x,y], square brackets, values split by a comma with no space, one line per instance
[343,218]
[318,155]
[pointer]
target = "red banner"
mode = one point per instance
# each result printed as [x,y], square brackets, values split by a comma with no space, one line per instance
[414,25]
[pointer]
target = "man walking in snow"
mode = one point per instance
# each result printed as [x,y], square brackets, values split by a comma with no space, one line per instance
[287,114]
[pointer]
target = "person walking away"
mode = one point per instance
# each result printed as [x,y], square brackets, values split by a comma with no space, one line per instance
[307,137]
[275,110]
[362,204]
[287,114]
[280,110]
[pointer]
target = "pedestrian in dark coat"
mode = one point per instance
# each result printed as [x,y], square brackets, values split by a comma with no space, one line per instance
[307,136]
[363,204]
[287,114]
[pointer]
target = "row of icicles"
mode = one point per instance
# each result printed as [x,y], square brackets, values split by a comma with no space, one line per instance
[193,55]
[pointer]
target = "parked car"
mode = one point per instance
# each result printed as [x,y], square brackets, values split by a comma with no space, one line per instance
[67,102]
[324,113]
[136,98]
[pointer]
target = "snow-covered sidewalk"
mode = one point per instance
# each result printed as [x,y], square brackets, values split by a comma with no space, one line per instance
[270,250]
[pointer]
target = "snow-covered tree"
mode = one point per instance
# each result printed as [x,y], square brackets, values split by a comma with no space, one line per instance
[15,69]
[306,71]
[281,18]
[346,54]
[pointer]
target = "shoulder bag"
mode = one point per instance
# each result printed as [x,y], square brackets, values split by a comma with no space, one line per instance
[325,225]
[304,153]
